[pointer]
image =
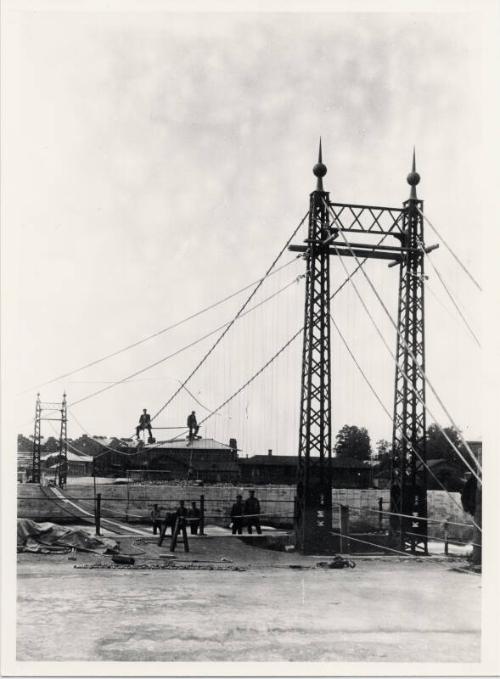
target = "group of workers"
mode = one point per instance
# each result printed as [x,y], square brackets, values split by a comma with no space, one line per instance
[145,425]
[242,514]
[246,514]
[191,516]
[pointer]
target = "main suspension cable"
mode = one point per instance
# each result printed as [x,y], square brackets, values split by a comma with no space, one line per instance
[111,385]
[157,333]
[360,264]
[285,346]
[99,443]
[230,325]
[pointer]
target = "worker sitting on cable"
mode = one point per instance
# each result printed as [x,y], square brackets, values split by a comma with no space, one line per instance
[144,423]
[192,425]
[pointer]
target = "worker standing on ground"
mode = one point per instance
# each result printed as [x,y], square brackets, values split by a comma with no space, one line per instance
[252,511]
[237,511]
[144,423]
[193,426]
[181,515]
[194,516]
[156,519]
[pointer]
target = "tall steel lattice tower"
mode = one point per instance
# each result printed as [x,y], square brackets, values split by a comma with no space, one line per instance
[37,442]
[328,221]
[314,483]
[409,476]
[62,456]
[62,471]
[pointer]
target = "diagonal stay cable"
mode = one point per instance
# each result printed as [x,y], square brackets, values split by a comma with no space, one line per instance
[155,334]
[336,292]
[285,346]
[456,258]
[385,409]
[111,385]
[405,376]
[230,325]
[409,555]
[410,353]
[448,292]
[426,519]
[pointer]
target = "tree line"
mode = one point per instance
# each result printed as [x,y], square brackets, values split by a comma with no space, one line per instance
[84,444]
[354,442]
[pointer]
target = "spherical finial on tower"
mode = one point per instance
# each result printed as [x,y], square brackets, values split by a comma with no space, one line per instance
[319,170]
[413,178]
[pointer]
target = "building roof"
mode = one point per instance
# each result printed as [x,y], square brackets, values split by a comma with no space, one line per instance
[291,461]
[72,457]
[184,444]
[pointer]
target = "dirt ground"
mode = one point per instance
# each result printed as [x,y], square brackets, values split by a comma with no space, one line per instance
[278,607]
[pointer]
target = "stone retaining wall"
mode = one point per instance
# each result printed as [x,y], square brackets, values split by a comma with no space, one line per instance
[277,503]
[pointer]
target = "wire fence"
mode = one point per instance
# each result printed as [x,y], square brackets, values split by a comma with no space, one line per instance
[142,510]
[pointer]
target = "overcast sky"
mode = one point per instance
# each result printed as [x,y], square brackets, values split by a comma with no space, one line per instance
[155,162]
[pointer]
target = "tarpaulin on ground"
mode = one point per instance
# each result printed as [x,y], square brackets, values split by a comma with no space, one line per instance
[50,537]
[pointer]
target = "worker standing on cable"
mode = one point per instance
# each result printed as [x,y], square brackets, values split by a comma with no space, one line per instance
[192,425]
[252,511]
[144,423]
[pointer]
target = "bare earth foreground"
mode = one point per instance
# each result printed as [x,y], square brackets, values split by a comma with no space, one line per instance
[386,609]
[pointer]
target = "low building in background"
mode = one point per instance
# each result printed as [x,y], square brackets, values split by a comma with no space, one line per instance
[204,460]
[282,469]
[78,464]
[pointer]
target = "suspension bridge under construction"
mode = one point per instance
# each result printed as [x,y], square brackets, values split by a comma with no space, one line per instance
[340,230]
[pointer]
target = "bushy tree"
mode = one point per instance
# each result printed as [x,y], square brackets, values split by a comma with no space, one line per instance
[24,444]
[438,448]
[353,442]
[85,444]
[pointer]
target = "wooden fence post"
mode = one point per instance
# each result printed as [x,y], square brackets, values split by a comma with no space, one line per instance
[344,528]
[202,515]
[98,514]
[445,529]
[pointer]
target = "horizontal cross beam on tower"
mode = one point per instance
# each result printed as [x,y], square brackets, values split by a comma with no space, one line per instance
[367,219]
[352,251]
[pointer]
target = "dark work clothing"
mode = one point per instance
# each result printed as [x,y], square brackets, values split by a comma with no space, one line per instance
[144,423]
[181,516]
[192,425]
[156,519]
[469,495]
[138,430]
[237,510]
[194,513]
[252,508]
[170,518]
[181,512]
